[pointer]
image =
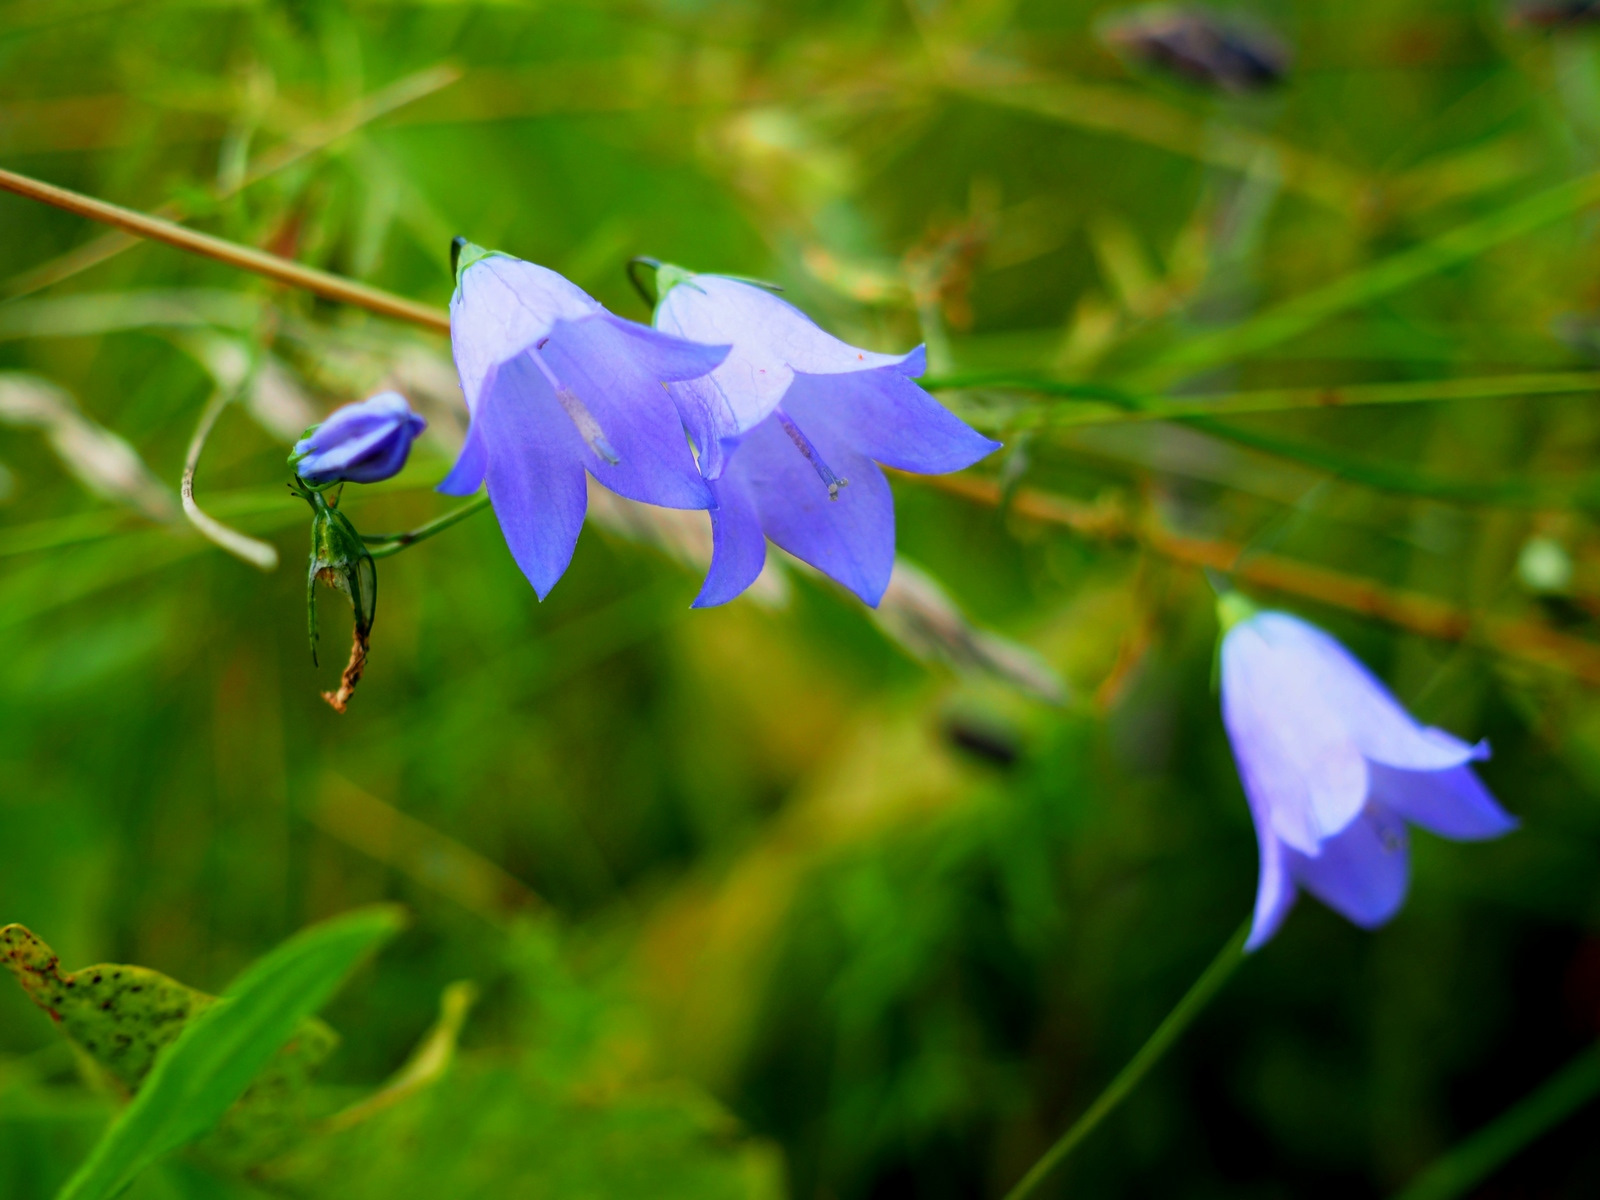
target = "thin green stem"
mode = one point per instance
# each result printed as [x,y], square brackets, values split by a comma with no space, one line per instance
[381,545]
[1098,403]
[1556,1099]
[1101,403]
[1162,1040]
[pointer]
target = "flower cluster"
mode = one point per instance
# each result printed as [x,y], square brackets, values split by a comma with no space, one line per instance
[1334,770]
[735,402]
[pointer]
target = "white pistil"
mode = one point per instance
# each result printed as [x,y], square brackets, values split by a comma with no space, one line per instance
[588,428]
[803,444]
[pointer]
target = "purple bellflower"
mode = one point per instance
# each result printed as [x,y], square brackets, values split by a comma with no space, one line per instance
[359,443]
[790,430]
[1334,770]
[556,386]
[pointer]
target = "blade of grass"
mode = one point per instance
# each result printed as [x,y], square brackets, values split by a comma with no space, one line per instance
[1496,1143]
[1198,415]
[1305,312]
[1099,404]
[199,1076]
[1137,116]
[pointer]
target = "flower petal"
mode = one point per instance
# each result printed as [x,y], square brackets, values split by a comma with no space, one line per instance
[1361,874]
[665,358]
[888,418]
[466,476]
[612,374]
[1381,728]
[1452,803]
[535,476]
[383,460]
[359,443]
[1275,890]
[738,547]
[771,340]
[1296,761]
[708,417]
[850,539]
[500,308]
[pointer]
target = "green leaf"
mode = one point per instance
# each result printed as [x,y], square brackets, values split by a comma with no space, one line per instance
[119,1015]
[197,1078]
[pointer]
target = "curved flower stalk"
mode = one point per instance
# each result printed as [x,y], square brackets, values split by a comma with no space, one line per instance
[1335,770]
[790,430]
[556,386]
[360,443]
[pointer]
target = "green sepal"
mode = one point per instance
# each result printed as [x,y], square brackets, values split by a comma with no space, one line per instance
[340,559]
[1232,609]
[669,276]
[469,253]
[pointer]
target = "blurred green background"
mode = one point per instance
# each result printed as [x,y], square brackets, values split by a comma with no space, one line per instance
[784,898]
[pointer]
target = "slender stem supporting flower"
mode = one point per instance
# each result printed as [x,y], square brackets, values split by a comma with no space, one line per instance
[256,553]
[246,258]
[1162,1040]
[1557,1098]
[381,545]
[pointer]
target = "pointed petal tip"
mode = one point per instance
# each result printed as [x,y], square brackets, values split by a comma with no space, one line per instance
[915,364]
[872,601]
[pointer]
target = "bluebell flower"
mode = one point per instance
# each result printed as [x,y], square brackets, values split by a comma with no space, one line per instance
[359,443]
[1335,770]
[790,430]
[557,386]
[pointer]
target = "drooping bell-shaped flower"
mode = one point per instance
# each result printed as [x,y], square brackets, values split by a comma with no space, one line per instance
[359,443]
[557,386]
[1335,770]
[790,430]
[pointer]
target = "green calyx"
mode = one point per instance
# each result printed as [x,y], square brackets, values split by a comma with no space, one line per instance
[464,253]
[1232,608]
[669,276]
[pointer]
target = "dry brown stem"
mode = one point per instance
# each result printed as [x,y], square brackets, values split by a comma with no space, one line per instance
[359,644]
[1523,640]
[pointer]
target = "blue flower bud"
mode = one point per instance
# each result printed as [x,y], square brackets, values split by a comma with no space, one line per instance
[359,443]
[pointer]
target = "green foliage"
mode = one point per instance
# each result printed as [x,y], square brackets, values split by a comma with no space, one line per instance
[757,900]
[120,1015]
[222,1051]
